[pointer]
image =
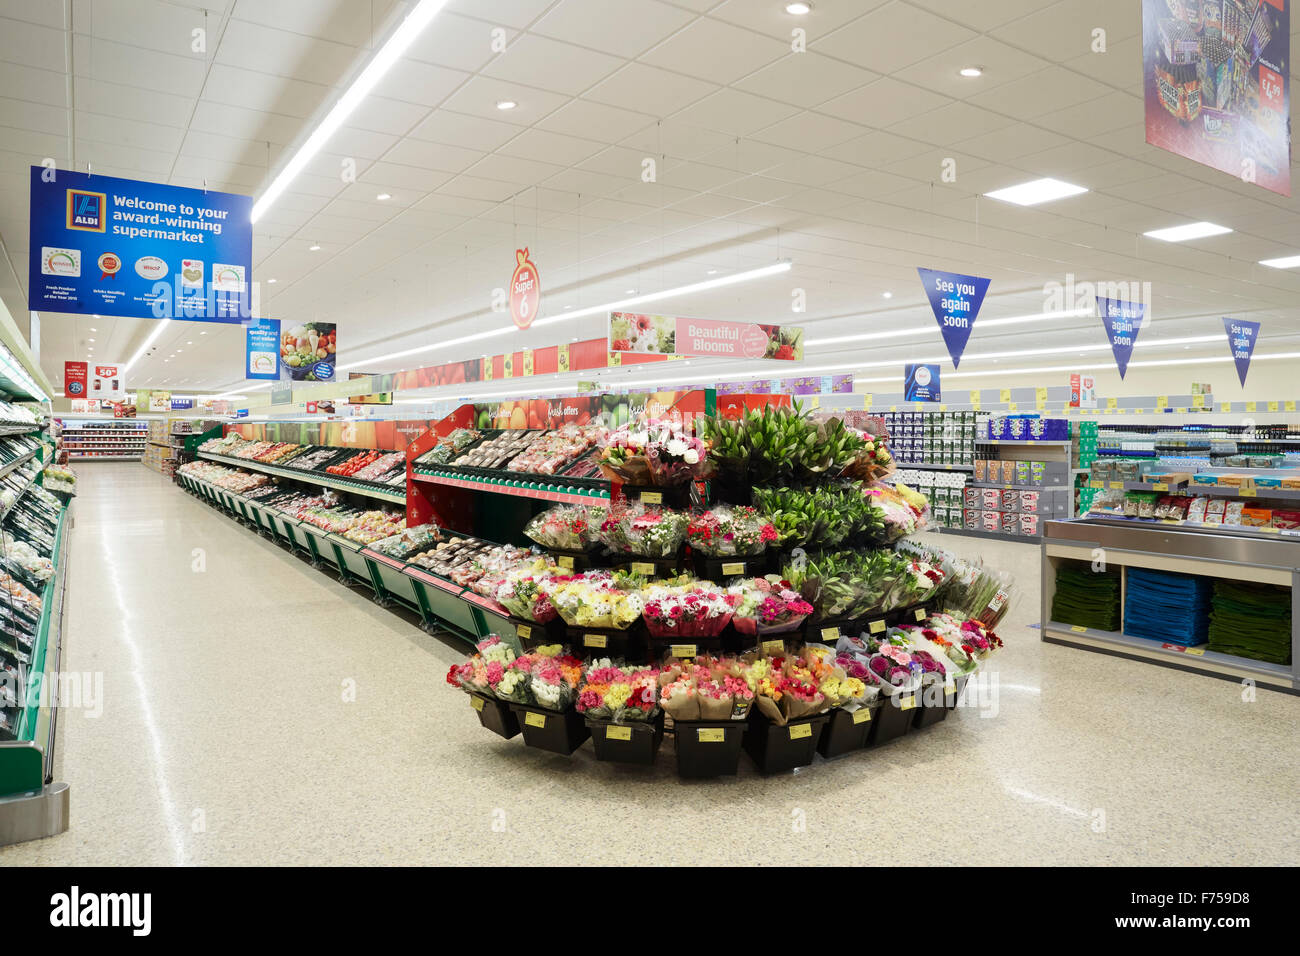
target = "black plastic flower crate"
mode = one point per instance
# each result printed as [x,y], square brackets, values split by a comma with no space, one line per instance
[845,732]
[495,715]
[674,496]
[708,748]
[560,732]
[893,718]
[776,748]
[720,569]
[636,741]
[931,704]
[628,644]
[531,634]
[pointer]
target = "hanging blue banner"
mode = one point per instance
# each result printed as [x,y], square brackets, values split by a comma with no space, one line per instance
[180,404]
[956,301]
[1242,336]
[921,383]
[137,249]
[1123,322]
[262,349]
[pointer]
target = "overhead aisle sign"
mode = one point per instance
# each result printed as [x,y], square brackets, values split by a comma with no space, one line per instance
[1123,322]
[1242,336]
[138,249]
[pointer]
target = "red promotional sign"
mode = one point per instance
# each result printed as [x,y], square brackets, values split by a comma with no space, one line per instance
[525,290]
[74,379]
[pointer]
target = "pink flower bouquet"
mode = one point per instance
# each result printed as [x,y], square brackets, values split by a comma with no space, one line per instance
[618,693]
[691,611]
[768,606]
[662,452]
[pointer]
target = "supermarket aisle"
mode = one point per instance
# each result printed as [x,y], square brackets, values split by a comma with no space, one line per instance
[229,734]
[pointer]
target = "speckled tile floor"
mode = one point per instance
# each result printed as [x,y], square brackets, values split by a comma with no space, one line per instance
[226,737]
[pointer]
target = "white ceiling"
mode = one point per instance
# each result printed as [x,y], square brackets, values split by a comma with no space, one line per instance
[829,157]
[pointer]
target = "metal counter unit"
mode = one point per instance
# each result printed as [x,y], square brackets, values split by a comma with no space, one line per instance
[1242,555]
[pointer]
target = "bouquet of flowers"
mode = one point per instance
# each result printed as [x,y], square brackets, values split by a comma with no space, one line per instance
[893,664]
[483,672]
[767,605]
[565,527]
[649,532]
[692,610]
[787,688]
[523,593]
[658,452]
[916,582]
[546,678]
[596,599]
[710,688]
[872,462]
[729,530]
[822,518]
[778,445]
[854,666]
[904,510]
[848,583]
[621,693]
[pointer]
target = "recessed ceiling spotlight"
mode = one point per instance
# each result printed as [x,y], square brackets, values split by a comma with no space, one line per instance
[191,342]
[971,71]
[1193,230]
[712,272]
[1036,191]
[630,292]
[94,329]
[314,247]
[506,104]
[382,196]
[566,309]
[272,281]
[798,9]
[90,340]
[887,295]
[203,333]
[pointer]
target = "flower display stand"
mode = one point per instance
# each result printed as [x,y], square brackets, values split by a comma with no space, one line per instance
[845,732]
[495,715]
[894,718]
[931,704]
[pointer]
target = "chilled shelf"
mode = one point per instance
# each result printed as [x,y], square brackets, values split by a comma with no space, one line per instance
[326,481]
[520,487]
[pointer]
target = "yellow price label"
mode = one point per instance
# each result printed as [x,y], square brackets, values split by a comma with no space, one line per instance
[710,735]
[1013,406]
[652,497]
[774,647]
[919,614]
[1004,395]
[1252,406]
[893,408]
[1162,401]
[1195,651]
[1290,405]
[1117,486]
[1273,406]
[528,361]
[974,396]
[1041,393]
[907,703]
[830,633]
[565,561]
[1139,411]
[618,733]
[876,627]
[534,719]
[1225,406]
[1198,401]
[1097,484]
[682,650]
[943,408]
[510,365]
[1079,629]
[642,567]
[562,358]
[866,401]
[1160,486]
[478,702]
[1248,492]
[1112,403]
[489,368]
[615,358]
[800,731]
[595,640]
[861,715]
[733,569]
[815,401]
[1180,411]
[524,631]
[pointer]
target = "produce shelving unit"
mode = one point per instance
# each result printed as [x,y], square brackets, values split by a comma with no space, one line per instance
[32,803]
[105,439]
[1233,554]
[353,486]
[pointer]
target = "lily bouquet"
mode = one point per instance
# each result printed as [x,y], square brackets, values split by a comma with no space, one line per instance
[597,599]
[657,452]
[728,530]
[821,518]
[778,445]
[649,532]
[621,693]
[767,605]
[693,610]
[848,583]
[565,527]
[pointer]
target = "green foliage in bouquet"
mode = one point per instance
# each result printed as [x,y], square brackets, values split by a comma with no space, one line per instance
[775,445]
[823,518]
[847,583]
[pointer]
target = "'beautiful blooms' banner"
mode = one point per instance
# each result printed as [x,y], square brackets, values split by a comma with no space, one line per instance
[707,338]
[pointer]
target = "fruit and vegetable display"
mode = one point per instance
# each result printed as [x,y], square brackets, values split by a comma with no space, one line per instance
[27,577]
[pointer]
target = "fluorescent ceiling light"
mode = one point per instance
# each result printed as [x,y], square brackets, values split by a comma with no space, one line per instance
[397,44]
[382,196]
[153,337]
[1194,230]
[1287,262]
[506,104]
[774,269]
[983,324]
[1037,191]
[798,9]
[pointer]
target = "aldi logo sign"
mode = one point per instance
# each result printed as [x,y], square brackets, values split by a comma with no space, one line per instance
[86,210]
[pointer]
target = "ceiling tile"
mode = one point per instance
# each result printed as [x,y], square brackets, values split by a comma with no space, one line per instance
[882,103]
[626,28]
[281,53]
[770,17]
[481,94]
[809,132]
[806,79]
[438,156]
[551,147]
[648,89]
[892,37]
[461,129]
[551,65]
[512,13]
[715,51]
[607,124]
[414,81]
[454,41]
[735,112]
